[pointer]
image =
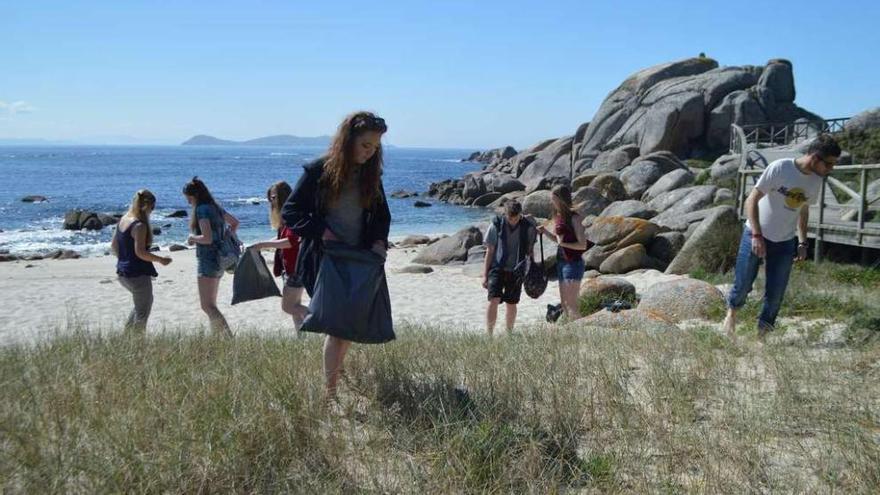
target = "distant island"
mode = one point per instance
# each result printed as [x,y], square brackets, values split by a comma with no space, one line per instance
[279,140]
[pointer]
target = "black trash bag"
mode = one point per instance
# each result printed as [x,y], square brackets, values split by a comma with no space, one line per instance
[535,278]
[252,279]
[350,299]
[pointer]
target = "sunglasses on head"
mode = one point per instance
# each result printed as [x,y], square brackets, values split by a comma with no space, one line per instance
[370,124]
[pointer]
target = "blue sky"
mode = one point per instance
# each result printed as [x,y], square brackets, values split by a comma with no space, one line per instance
[469,74]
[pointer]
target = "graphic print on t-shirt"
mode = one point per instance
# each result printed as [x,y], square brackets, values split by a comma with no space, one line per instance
[794,197]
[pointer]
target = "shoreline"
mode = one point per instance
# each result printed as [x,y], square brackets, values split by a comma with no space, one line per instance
[45,295]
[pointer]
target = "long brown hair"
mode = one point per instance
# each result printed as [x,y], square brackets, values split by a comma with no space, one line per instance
[197,189]
[338,163]
[563,194]
[139,203]
[280,190]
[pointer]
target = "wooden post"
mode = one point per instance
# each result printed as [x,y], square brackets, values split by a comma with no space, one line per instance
[817,250]
[863,202]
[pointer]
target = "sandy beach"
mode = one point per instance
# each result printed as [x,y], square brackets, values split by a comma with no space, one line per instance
[39,297]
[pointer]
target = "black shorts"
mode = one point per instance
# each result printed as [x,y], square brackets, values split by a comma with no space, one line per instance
[505,285]
[291,281]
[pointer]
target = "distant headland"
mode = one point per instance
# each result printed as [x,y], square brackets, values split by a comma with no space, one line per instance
[279,140]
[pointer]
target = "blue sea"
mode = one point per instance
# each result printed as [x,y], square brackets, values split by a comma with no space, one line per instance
[104,178]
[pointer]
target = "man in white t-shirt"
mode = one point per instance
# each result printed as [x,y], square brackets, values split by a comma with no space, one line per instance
[778,206]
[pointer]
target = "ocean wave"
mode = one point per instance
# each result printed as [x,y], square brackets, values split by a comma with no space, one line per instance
[249,201]
[278,153]
[446,160]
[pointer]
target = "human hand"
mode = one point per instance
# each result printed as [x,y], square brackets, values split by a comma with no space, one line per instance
[485,282]
[541,229]
[258,246]
[329,235]
[759,247]
[165,261]
[801,252]
[190,240]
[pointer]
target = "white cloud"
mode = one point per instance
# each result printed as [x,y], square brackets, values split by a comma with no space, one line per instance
[15,107]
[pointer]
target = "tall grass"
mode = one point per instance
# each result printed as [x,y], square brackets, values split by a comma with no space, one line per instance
[438,412]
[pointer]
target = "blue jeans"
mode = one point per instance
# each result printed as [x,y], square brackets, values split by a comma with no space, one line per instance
[779,259]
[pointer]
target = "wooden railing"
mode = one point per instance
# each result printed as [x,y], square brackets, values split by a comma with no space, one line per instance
[778,134]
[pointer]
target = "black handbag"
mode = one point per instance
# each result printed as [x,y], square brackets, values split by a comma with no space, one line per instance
[535,278]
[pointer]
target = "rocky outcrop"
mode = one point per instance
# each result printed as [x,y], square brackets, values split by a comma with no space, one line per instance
[625,260]
[683,299]
[452,248]
[88,220]
[177,214]
[34,199]
[630,319]
[656,116]
[402,194]
[675,179]
[414,240]
[867,120]
[628,208]
[607,287]
[491,156]
[712,246]
[538,204]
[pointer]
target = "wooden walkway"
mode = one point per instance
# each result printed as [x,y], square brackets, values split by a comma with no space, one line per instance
[854,221]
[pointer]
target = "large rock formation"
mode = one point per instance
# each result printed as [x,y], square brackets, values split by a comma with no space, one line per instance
[452,248]
[659,114]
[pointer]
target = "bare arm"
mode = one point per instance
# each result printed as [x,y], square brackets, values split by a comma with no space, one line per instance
[542,230]
[139,233]
[207,236]
[758,246]
[487,264]
[752,210]
[273,244]
[231,220]
[803,219]
[114,244]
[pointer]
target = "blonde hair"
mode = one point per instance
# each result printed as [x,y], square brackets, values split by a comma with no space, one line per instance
[282,191]
[138,209]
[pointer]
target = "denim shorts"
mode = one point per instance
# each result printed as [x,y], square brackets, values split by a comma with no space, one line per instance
[569,271]
[291,281]
[209,266]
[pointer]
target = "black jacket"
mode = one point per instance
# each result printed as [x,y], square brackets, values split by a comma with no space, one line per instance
[303,213]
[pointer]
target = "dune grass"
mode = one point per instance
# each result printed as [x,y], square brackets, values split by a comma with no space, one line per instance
[437,412]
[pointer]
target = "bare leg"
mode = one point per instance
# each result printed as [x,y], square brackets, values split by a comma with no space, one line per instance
[510,317]
[208,288]
[730,324]
[291,303]
[569,292]
[334,353]
[492,314]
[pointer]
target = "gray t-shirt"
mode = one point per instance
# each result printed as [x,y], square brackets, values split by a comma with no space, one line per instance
[511,247]
[345,216]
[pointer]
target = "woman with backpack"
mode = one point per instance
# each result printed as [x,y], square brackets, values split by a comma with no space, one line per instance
[208,226]
[286,246]
[134,265]
[568,233]
[339,210]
